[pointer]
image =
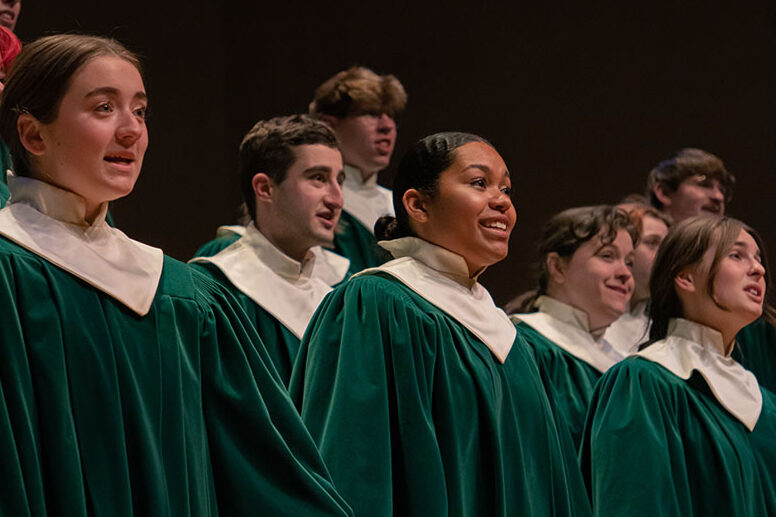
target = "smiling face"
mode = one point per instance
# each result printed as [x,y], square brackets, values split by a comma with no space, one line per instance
[471,213]
[302,210]
[653,231]
[366,140]
[96,144]
[596,279]
[696,195]
[739,288]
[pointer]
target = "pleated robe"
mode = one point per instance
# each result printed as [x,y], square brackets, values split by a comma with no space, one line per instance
[414,415]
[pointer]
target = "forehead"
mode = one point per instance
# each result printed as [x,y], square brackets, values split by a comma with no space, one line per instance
[478,153]
[316,155]
[106,72]
[622,241]
[651,224]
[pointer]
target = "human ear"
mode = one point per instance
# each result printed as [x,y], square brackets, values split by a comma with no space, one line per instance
[262,186]
[685,281]
[415,205]
[556,268]
[29,129]
[661,193]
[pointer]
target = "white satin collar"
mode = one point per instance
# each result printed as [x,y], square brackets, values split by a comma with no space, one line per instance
[690,346]
[365,200]
[441,277]
[286,288]
[328,266]
[630,330]
[568,327]
[50,222]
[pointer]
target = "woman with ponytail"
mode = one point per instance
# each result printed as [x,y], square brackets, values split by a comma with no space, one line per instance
[419,393]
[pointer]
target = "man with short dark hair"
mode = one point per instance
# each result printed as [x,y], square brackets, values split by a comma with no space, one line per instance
[692,182]
[291,177]
[361,107]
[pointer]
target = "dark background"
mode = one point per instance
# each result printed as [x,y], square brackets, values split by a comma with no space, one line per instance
[580,100]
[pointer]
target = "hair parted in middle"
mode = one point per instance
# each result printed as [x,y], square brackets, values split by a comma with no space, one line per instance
[419,169]
[357,91]
[268,148]
[684,246]
[564,233]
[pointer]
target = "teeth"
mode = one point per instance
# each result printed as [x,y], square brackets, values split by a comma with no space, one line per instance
[499,226]
[753,291]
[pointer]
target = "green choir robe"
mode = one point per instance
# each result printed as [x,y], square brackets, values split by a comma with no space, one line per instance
[354,241]
[756,350]
[657,444]
[570,357]
[279,342]
[224,238]
[170,409]
[569,381]
[414,415]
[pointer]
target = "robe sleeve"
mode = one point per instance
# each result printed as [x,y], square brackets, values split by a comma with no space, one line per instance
[632,454]
[264,460]
[362,382]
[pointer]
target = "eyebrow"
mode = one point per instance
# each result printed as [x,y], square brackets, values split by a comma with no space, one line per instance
[319,168]
[109,90]
[742,244]
[484,168]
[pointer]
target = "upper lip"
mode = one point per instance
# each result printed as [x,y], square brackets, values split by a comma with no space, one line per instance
[327,214]
[712,208]
[621,288]
[496,219]
[387,140]
[758,289]
[125,155]
[9,13]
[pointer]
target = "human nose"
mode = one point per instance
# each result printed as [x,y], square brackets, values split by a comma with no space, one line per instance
[385,124]
[757,268]
[130,127]
[333,198]
[500,201]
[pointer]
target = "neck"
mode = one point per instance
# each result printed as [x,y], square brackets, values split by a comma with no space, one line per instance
[595,325]
[288,245]
[365,175]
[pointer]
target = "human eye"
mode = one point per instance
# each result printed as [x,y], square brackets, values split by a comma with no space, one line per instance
[341,178]
[141,112]
[735,254]
[104,107]
[629,261]
[318,177]
[478,183]
[507,189]
[607,254]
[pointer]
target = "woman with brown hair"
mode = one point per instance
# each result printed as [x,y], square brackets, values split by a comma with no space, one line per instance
[585,283]
[681,428]
[129,383]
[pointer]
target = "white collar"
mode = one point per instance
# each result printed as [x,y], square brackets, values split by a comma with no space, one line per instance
[690,346]
[286,288]
[365,200]
[441,277]
[630,330]
[328,266]
[568,327]
[50,222]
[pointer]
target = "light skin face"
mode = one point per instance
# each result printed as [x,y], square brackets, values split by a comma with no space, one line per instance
[96,144]
[472,213]
[9,13]
[739,287]
[596,279]
[366,140]
[696,195]
[653,231]
[302,210]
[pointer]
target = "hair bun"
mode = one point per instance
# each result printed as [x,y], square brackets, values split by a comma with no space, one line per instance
[387,228]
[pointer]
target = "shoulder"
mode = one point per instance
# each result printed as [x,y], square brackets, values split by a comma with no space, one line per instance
[637,374]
